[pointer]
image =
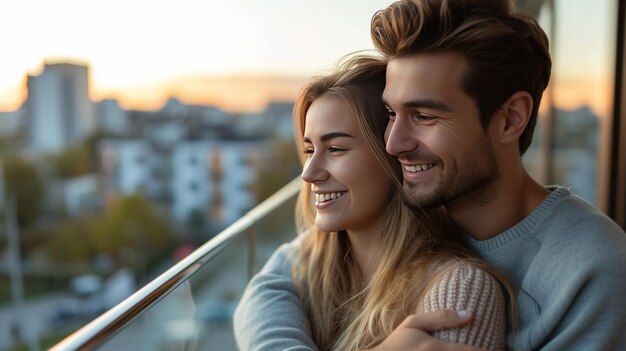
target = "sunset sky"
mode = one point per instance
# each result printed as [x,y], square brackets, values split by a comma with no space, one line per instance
[237,54]
[141,51]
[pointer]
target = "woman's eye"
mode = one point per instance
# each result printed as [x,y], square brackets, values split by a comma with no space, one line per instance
[334,149]
[391,114]
[308,150]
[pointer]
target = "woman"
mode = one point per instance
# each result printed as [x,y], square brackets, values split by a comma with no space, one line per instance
[364,261]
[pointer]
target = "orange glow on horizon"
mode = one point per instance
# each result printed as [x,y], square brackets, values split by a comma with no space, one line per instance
[596,93]
[242,93]
[250,93]
[10,100]
[233,94]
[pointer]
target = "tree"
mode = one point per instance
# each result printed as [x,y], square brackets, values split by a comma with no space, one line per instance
[70,242]
[131,232]
[80,158]
[23,183]
[131,223]
[73,161]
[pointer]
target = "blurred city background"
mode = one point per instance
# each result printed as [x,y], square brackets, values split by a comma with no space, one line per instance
[131,132]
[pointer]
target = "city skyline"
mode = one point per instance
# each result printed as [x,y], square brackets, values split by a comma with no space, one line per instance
[145,52]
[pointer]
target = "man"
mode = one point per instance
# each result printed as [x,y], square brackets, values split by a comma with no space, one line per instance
[464,83]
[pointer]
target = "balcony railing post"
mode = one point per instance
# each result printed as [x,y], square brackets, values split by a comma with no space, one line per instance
[251,252]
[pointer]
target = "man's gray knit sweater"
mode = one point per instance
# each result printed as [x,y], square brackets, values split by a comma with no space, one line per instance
[567,259]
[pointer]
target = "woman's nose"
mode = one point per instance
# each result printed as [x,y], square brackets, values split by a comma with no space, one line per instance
[314,170]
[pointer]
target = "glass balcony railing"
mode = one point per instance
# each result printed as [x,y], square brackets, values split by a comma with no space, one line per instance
[190,306]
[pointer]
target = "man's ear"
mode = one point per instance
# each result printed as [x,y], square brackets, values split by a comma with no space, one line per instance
[514,117]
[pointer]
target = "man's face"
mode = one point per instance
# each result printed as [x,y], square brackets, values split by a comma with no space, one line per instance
[434,130]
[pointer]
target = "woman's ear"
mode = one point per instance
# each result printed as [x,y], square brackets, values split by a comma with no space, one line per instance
[514,117]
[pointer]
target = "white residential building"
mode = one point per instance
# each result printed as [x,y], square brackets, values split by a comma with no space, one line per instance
[215,178]
[128,166]
[81,194]
[165,133]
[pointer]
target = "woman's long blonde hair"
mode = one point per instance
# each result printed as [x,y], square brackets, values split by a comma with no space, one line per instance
[346,312]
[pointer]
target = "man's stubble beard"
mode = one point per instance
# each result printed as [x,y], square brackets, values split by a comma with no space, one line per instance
[456,187]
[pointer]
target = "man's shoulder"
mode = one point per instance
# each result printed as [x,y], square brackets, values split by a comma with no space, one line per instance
[566,208]
[578,234]
[576,224]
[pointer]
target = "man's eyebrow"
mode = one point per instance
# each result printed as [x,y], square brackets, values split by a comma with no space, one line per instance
[330,136]
[423,103]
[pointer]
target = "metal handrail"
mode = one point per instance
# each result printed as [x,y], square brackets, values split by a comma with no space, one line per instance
[115,319]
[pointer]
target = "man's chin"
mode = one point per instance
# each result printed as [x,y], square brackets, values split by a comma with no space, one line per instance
[418,199]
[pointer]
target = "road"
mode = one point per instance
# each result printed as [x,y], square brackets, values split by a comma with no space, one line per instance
[35,313]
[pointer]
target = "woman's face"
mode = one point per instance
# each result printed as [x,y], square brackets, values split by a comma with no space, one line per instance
[350,187]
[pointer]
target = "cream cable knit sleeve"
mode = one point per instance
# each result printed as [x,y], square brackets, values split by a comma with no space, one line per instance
[466,287]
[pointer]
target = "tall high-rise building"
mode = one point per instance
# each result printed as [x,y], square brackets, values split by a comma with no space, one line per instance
[58,107]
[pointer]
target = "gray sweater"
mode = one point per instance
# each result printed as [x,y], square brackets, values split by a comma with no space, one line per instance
[569,262]
[567,258]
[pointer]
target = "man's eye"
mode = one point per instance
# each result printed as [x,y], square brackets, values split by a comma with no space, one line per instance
[425,118]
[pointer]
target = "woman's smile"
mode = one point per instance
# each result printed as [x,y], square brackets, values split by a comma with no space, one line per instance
[324,200]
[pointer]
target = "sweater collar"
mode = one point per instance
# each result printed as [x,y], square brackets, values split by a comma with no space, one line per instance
[522,228]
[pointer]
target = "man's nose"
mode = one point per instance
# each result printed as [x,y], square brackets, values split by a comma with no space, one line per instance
[400,137]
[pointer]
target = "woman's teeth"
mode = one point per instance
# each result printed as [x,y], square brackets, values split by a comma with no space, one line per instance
[328,196]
